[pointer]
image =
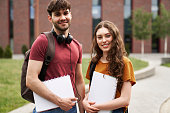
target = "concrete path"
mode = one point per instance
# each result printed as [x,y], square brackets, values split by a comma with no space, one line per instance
[149,95]
[28,108]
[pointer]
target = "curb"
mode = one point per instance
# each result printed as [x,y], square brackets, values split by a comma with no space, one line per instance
[165,106]
[145,72]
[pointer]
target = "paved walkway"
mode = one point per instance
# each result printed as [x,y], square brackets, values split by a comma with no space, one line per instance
[149,95]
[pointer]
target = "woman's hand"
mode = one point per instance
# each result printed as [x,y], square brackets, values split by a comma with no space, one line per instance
[88,106]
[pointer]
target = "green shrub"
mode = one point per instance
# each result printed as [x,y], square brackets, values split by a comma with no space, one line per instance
[1,52]
[24,49]
[127,49]
[8,52]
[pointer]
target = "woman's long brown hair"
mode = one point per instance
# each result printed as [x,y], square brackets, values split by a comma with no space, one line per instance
[115,54]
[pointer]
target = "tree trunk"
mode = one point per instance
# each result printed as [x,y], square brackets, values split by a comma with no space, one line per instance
[165,46]
[142,47]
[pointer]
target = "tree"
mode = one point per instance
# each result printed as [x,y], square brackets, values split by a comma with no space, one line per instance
[1,52]
[24,49]
[161,26]
[8,52]
[141,26]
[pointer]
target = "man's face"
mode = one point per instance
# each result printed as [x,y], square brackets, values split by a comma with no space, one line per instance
[61,19]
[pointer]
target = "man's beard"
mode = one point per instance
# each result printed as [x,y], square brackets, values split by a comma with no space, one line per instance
[62,29]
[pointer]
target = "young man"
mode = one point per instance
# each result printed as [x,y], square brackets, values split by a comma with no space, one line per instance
[67,60]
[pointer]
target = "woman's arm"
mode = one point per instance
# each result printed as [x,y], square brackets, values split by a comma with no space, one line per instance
[122,101]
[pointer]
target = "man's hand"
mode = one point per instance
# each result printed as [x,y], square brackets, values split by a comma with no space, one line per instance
[67,103]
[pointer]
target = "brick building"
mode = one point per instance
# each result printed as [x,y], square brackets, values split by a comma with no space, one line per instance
[23,20]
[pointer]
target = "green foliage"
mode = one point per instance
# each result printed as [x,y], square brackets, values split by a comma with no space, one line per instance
[24,49]
[141,24]
[161,24]
[1,52]
[8,52]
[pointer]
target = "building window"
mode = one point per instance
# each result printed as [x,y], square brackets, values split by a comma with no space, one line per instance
[11,24]
[127,26]
[155,41]
[96,12]
[31,21]
[154,8]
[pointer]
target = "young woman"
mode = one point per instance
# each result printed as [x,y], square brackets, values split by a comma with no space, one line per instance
[110,58]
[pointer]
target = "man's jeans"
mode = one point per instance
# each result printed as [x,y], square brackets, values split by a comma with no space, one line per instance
[59,110]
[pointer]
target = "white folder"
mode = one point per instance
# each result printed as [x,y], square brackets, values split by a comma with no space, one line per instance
[61,86]
[102,89]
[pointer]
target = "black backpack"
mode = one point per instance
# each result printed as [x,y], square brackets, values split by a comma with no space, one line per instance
[26,93]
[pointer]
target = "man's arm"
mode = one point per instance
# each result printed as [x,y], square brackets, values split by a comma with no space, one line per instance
[79,81]
[33,82]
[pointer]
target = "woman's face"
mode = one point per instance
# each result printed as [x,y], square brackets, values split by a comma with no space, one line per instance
[104,39]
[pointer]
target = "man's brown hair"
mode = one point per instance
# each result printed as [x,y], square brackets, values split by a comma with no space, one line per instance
[57,5]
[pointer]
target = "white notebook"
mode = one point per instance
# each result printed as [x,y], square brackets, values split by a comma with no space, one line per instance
[61,86]
[102,89]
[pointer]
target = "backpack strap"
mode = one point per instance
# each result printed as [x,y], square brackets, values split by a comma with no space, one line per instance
[92,68]
[49,54]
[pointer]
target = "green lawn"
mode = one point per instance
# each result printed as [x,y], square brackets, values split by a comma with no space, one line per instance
[10,85]
[138,64]
[10,73]
[167,64]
